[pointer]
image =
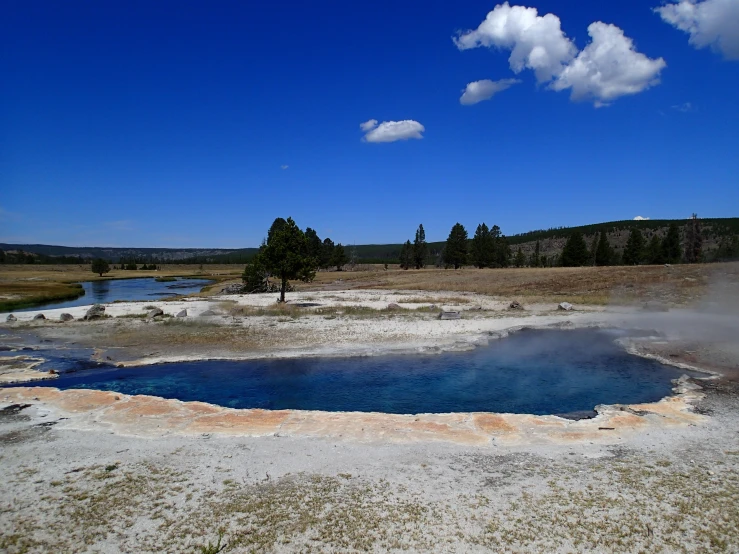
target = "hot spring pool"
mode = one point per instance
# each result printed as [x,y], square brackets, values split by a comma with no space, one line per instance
[532,371]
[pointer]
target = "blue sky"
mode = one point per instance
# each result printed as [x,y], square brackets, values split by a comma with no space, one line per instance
[186,123]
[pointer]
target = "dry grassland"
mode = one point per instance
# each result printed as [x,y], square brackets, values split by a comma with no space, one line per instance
[678,285]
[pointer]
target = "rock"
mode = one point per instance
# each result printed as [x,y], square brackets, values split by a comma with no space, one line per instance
[515,306]
[566,306]
[11,318]
[96,311]
[655,306]
[393,306]
[151,314]
[475,309]
[450,315]
[208,313]
[39,316]
[235,288]
[182,313]
[66,317]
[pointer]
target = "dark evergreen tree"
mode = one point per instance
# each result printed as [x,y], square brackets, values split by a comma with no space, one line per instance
[536,256]
[634,250]
[100,266]
[604,252]
[406,255]
[339,258]
[693,241]
[671,251]
[256,277]
[286,255]
[483,248]
[420,248]
[455,251]
[327,253]
[575,251]
[655,253]
[315,246]
[503,252]
[520,259]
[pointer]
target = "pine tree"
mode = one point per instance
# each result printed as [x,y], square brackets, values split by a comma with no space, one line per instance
[575,251]
[286,254]
[100,266]
[420,248]
[338,257]
[634,251]
[693,241]
[406,255]
[503,252]
[604,253]
[536,256]
[655,253]
[482,247]
[520,259]
[455,251]
[671,245]
[315,246]
[327,253]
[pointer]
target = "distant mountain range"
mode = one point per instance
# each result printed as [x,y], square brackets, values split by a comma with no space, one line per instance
[551,242]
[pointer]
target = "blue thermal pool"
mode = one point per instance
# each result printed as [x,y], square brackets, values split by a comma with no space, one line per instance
[532,371]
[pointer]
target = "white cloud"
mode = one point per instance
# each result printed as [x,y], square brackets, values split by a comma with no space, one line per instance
[284,166]
[390,131]
[478,91]
[368,125]
[607,68]
[640,218]
[536,42]
[713,23]
[685,107]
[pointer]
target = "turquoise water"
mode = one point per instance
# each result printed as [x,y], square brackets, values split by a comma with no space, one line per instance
[532,371]
[110,290]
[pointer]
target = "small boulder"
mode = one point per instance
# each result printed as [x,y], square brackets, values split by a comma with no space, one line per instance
[393,306]
[566,306]
[235,288]
[66,317]
[96,311]
[151,314]
[515,306]
[39,317]
[181,313]
[450,315]
[208,313]
[11,318]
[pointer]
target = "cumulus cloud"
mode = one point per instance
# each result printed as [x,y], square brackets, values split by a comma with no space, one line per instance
[640,218]
[368,125]
[713,23]
[478,91]
[607,68]
[536,42]
[391,131]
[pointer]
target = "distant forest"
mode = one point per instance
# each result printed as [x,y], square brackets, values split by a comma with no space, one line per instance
[719,242]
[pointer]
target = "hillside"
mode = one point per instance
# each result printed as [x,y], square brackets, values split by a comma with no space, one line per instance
[551,242]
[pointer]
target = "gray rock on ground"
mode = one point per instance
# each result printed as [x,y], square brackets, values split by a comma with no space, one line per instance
[207,313]
[151,314]
[11,318]
[181,313]
[393,306]
[96,311]
[450,315]
[235,288]
[566,306]
[39,317]
[515,306]
[66,317]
